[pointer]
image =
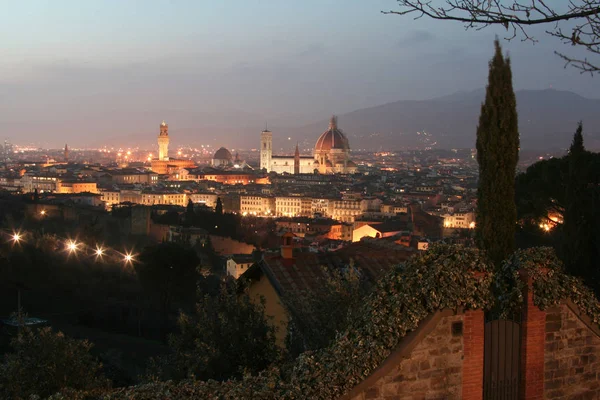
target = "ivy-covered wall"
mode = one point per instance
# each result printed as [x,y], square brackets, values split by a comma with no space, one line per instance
[572,357]
[432,370]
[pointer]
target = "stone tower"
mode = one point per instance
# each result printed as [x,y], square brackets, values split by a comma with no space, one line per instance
[66,153]
[297,161]
[163,142]
[266,149]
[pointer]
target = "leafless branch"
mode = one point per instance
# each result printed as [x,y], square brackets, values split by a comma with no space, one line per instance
[516,16]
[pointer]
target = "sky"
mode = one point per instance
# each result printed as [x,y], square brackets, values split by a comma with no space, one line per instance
[108,72]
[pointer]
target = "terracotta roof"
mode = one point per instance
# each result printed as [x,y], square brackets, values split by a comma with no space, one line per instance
[332,138]
[305,273]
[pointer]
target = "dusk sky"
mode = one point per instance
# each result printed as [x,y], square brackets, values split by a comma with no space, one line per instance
[76,71]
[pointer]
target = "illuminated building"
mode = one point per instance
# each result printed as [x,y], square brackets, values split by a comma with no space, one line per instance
[164,164]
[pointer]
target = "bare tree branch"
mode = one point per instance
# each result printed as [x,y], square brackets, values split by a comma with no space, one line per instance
[516,16]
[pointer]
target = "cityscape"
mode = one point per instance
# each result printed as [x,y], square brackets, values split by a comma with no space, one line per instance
[352,244]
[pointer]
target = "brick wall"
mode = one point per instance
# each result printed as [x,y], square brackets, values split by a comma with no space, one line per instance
[572,357]
[433,370]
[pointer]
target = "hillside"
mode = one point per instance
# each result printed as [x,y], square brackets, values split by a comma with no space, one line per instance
[547,120]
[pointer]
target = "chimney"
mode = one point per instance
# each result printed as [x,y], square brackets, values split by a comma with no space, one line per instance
[287,248]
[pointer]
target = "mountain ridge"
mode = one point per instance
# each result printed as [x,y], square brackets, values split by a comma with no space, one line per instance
[547,120]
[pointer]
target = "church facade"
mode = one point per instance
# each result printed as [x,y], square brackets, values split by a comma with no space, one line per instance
[331,155]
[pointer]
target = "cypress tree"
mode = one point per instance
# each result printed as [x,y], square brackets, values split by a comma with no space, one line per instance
[577,144]
[219,207]
[497,156]
[578,248]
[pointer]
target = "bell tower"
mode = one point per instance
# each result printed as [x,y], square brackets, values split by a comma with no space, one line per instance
[297,161]
[163,142]
[266,149]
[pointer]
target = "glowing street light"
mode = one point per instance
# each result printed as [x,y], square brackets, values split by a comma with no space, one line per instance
[72,246]
[43,212]
[128,258]
[99,252]
[16,237]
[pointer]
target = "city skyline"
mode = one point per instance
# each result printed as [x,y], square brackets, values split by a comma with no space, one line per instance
[84,71]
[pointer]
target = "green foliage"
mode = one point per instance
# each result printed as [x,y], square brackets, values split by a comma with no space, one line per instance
[551,284]
[316,318]
[497,155]
[227,337]
[445,277]
[541,189]
[577,143]
[581,244]
[43,362]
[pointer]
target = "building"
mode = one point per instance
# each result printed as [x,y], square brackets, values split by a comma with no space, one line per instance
[331,155]
[379,230]
[278,276]
[344,210]
[237,264]
[69,187]
[163,164]
[228,177]
[110,197]
[257,205]
[288,206]
[172,198]
[43,182]
[222,158]
[207,199]
[131,176]
[332,151]
[163,142]
[459,220]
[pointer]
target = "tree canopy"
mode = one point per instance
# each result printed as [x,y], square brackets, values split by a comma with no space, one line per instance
[43,362]
[497,156]
[226,337]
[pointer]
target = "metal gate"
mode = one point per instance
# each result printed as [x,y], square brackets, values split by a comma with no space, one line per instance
[501,360]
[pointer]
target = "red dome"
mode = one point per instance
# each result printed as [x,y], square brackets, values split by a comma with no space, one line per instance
[332,138]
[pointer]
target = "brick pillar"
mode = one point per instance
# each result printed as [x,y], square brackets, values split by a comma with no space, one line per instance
[473,331]
[533,337]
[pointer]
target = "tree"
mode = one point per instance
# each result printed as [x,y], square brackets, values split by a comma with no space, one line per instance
[43,362]
[497,156]
[317,317]
[190,208]
[580,244]
[227,337]
[167,272]
[576,23]
[577,148]
[219,207]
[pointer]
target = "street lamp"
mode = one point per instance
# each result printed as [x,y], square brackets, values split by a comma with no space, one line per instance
[72,246]
[99,252]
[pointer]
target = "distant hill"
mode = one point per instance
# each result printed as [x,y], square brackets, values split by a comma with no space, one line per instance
[547,120]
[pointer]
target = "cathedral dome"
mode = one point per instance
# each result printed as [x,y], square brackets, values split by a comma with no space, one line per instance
[332,138]
[223,154]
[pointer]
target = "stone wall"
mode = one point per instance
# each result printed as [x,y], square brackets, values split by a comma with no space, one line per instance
[572,357]
[433,370]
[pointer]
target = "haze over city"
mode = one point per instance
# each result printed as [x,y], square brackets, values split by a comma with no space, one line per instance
[96,73]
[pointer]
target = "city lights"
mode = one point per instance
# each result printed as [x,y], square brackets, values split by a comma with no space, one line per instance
[16,237]
[43,212]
